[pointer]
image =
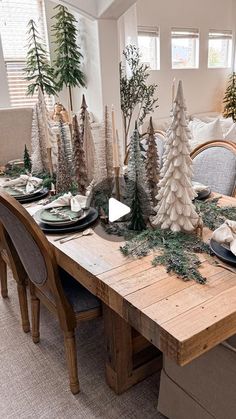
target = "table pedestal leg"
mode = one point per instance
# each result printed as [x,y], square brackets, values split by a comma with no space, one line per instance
[130,357]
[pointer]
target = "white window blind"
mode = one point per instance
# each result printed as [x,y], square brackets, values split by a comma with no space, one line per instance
[223,34]
[184,33]
[14,18]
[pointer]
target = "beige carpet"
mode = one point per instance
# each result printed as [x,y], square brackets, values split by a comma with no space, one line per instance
[33,378]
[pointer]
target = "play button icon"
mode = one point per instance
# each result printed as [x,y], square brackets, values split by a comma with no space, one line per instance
[117,209]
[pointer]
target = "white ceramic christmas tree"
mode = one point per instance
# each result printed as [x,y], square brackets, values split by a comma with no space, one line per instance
[175,209]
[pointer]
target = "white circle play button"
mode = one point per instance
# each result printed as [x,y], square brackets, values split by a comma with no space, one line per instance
[116,210]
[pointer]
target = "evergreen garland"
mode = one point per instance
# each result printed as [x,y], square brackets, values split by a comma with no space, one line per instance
[68,56]
[27,160]
[213,216]
[230,98]
[177,250]
[38,70]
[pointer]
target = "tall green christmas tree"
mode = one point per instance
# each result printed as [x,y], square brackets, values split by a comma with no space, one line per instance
[230,98]
[27,160]
[68,56]
[38,70]
[137,194]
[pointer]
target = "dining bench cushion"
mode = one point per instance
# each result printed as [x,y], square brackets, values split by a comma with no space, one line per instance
[216,167]
[204,389]
[78,296]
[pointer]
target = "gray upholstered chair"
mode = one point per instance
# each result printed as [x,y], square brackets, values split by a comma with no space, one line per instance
[32,257]
[203,389]
[214,165]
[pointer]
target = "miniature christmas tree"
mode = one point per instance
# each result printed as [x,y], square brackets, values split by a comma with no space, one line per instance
[79,163]
[230,98]
[175,209]
[87,138]
[68,56]
[27,160]
[152,163]
[137,222]
[38,70]
[137,194]
[63,183]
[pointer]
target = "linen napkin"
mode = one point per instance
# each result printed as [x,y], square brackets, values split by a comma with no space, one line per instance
[199,187]
[226,234]
[66,200]
[76,202]
[30,182]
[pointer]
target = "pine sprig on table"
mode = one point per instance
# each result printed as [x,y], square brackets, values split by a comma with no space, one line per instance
[212,214]
[177,251]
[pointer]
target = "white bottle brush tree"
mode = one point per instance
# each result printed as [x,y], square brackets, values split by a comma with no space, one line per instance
[175,209]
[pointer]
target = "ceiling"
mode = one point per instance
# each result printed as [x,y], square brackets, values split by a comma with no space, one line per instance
[101,9]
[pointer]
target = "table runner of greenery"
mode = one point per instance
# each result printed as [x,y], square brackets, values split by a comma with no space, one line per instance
[178,251]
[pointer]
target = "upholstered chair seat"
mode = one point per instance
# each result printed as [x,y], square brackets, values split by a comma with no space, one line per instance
[214,165]
[78,296]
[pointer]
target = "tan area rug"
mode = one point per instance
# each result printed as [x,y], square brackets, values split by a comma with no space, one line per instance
[34,382]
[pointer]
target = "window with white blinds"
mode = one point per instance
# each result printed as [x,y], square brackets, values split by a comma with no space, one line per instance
[14,18]
[220,48]
[185,48]
[149,46]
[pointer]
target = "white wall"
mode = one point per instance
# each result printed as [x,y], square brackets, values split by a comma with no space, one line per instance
[203,87]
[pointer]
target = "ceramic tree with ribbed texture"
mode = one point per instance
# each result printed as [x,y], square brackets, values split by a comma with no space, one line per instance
[175,208]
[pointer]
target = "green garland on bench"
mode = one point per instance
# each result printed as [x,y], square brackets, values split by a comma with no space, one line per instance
[178,251]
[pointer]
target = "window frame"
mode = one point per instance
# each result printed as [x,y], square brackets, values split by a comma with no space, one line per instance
[221,34]
[186,33]
[151,32]
[22,100]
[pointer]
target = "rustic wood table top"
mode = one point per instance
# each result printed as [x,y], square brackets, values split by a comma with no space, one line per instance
[183,319]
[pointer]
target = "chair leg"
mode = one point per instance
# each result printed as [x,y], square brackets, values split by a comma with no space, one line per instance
[35,312]
[71,356]
[3,278]
[22,295]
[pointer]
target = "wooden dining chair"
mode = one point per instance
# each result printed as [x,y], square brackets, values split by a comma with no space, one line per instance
[31,256]
[214,165]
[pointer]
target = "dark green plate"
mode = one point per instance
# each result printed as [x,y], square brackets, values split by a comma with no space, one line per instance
[81,225]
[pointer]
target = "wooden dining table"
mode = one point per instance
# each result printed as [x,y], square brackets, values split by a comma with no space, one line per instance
[148,311]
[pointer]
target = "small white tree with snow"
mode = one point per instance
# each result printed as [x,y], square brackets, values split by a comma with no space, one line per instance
[175,208]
